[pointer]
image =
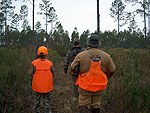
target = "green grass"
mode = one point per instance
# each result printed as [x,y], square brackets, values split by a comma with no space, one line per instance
[128,91]
[129,88]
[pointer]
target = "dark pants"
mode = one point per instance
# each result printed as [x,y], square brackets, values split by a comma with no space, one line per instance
[74,87]
[45,97]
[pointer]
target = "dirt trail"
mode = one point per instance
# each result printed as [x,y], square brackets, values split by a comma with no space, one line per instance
[62,93]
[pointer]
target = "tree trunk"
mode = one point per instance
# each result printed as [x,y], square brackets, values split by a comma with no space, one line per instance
[144,24]
[98,17]
[118,28]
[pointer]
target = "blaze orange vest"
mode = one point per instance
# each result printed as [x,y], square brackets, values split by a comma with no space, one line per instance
[94,79]
[42,79]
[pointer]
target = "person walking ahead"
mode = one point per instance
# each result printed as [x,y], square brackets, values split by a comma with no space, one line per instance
[42,71]
[96,67]
[71,54]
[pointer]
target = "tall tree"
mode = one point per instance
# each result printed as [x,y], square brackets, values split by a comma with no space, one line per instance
[38,30]
[38,27]
[48,13]
[14,28]
[130,17]
[1,26]
[117,12]
[7,10]
[23,12]
[28,36]
[133,24]
[75,34]
[144,12]
[60,31]
[52,17]
[66,38]
[108,38]
[16,18]
[84,37]
[56,37]
[25,26]
[15,22]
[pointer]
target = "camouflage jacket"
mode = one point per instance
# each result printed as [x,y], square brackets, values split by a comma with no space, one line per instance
[70,56]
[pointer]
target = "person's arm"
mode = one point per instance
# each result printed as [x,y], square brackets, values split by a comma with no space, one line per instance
[66,62]
[31,70]
[74,68]
[111,68]
[52,70]
[109,74]
[75,71]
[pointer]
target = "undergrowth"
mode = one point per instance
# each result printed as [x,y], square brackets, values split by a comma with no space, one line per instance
[15,83]
[128,91]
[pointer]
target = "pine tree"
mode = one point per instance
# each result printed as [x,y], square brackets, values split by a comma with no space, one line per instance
[117,12]
[7,11]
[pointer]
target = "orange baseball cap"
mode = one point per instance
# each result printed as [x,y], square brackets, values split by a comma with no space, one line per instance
[42,50]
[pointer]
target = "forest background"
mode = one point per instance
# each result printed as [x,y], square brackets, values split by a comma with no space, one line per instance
[127,91]
[12,35]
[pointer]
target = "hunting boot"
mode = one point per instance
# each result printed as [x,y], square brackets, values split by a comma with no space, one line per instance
[83,109]
[95,110]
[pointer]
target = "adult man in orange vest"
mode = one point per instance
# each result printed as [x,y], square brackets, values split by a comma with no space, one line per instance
[42,71]
[96,66]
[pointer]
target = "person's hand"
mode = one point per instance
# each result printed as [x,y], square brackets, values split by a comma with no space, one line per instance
[65,70]
[66,73]
[109,74]
[72,72]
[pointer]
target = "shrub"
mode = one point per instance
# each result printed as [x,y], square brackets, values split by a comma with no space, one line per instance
[128,90]
[15,83]
[13,75]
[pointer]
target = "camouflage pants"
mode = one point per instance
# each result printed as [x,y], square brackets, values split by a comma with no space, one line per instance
[74,87]
[45,97]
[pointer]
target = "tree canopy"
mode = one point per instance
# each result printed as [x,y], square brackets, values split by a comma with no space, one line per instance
[11,34]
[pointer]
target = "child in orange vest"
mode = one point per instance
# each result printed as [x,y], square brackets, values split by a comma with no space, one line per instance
[42,71]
